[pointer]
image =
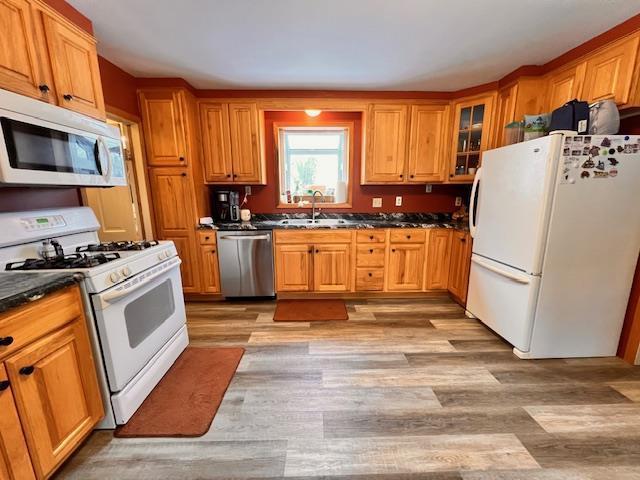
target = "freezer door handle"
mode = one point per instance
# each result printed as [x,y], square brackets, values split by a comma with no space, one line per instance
[511,276]
[472,203]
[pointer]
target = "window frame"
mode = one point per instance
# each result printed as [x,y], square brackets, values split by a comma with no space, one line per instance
[348,162]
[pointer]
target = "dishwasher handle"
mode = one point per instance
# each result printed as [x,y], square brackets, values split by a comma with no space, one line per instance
[245,237]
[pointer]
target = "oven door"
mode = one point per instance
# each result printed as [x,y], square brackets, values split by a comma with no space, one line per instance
[137,318]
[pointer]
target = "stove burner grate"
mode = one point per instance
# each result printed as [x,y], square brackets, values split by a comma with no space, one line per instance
[74,260]
[117,246]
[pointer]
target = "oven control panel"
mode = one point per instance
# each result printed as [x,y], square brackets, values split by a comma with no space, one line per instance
[31,224]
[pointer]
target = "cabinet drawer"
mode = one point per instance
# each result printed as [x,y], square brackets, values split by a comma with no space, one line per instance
[405,235]
[207,237]
[371,236]
[370,255]
[370,279]
[34,320]
[313,236]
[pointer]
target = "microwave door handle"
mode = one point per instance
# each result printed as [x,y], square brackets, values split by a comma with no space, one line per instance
[112,297]
[472,203]
[107,174]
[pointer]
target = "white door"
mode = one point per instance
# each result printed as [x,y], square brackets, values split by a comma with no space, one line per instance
[515,186]
[504,299]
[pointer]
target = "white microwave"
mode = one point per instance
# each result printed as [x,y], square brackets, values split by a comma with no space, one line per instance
[42,144]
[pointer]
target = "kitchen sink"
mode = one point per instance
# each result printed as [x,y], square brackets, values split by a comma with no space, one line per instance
[320,222]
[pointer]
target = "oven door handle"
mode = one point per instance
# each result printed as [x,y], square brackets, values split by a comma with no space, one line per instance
[116,295]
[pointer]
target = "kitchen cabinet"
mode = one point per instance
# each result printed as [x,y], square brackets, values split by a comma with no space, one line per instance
[232,143]
[406,267]
[386,144]
[74,63]
[523,97]
[164,127]
[15,462]
[471,135]
[459,266]
[332,268]
[563,85]
[609,72]
[438,256]
[191,261]
[171,189]
[427,143]
[210,266]
[371,259]
[53,383]
[294,268]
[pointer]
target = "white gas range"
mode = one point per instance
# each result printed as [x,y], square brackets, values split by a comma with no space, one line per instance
[132,291]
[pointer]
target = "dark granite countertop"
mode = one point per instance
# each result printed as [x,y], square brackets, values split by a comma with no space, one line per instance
[344,220]
[17,288]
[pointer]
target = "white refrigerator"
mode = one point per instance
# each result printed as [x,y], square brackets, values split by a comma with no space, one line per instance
[556,235]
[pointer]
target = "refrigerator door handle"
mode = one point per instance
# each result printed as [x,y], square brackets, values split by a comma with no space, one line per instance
[472,203]
[511,276]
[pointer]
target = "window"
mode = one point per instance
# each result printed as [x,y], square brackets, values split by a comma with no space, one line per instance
[313,159]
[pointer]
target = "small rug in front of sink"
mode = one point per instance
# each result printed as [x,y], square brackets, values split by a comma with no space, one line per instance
[310,310]
[187,398]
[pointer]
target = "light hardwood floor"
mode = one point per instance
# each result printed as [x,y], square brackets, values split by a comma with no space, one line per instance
[406,389]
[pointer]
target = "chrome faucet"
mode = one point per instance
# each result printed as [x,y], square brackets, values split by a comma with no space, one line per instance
[313,204]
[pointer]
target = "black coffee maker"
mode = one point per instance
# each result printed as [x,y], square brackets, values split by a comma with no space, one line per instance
[226,206]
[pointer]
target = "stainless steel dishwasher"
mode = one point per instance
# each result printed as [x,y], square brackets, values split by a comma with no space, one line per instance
[246,263]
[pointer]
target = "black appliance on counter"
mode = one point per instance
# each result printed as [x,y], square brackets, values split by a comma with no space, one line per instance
[226,206]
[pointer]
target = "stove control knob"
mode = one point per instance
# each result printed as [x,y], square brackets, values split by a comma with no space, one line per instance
[114,277]
[126,271]
[167,253]
[161,256]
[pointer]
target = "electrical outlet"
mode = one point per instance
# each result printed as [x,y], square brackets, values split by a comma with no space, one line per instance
[428,188]
[247,190]
[398,201]
[377,202]
[458,201]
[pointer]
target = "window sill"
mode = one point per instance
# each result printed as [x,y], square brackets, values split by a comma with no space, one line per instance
[319,206]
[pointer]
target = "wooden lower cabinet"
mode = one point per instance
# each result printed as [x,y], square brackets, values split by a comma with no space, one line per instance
[438,256]
[332,268]
[54,391]
[459,266]
[209,256]
[294,268]
[14,457]
[405,269]
[189,269]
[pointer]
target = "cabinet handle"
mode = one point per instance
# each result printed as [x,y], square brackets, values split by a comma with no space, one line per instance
[228,175]
[26,371]
[4,385]
[6,341]
[401,175]
[408,237]
[463,240]
[44,88]
[213,251]
[393,249]
[67,97]
[370,274]
[181,159]
[371,250]
[207,238]
[370,237]
[410,176]
[183,174]
[311,251]
[317,251]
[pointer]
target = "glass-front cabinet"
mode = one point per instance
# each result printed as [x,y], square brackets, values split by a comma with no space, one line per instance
[471,131]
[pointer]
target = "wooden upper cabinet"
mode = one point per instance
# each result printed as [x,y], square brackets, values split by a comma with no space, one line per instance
[427,143]
[216,142]
[171,190]
[523,97]
[505,112]
[293,267]
[564,85]
[386,144]
[405,269]
[15,463]
[74,62]
[57,395]
[609,73]
[459,265]
[472,125]
[163,122]
[20,45]
[244,127]
[332,268]
[438,257]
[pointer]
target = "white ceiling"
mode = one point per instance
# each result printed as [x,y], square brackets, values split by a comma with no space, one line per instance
[343,44]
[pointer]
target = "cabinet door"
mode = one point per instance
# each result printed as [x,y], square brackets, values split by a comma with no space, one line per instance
[19,45]
[609,73]
[189,269]
[244,126]
[164,134]
[564,85]
[438,256]
[74,62]
[406,267]
[15,463]
[293,268]
[427,143]
[332,268]
[505,112]
[173,202]
[459,266]
[210,272]
[386,144]
[56,391]
[214,126]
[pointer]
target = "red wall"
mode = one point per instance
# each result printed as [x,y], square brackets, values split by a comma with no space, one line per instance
[119,89]
[264,199]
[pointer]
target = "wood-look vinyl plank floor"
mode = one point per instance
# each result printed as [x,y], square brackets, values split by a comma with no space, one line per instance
[406,389]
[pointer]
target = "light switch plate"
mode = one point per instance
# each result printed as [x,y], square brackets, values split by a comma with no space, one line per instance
[377,202]
[398,201]
[428,188]
[247,189]
[458,201]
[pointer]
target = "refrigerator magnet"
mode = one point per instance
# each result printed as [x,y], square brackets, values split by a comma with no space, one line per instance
[613,162]
[613,172]
[585,174]
[588,163]
[597,174]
